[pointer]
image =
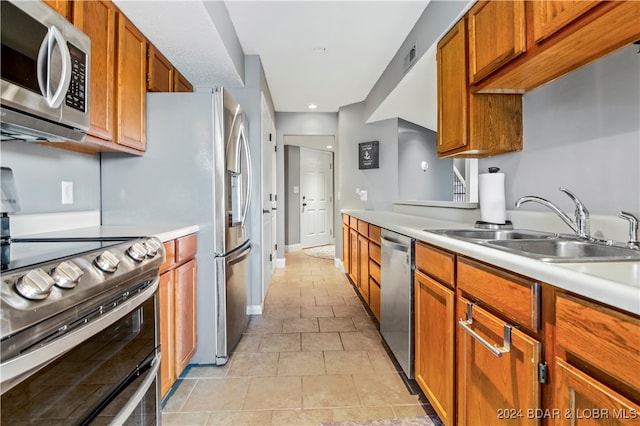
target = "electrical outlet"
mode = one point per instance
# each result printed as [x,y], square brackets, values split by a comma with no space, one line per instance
[363,195]
[67,192]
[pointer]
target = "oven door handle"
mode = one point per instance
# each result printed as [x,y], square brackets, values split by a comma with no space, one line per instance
[139,394]
[13,371]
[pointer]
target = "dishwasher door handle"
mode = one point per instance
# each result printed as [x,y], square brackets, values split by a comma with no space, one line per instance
[394,245]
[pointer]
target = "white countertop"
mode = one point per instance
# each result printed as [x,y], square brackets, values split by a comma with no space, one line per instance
[614,283]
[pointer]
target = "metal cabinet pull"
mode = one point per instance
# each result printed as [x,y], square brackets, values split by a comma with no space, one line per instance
[506,347]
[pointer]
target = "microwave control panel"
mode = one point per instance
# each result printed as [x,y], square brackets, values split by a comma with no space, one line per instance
[76,95]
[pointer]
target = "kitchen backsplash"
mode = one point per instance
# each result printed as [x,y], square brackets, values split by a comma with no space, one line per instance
[581,132]
[40,170]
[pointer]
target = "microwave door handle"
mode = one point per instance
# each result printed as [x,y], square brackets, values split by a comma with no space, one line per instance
[61,92]
[42,65]
[249,176]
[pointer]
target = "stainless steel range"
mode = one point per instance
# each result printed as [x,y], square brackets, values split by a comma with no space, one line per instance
[79,342]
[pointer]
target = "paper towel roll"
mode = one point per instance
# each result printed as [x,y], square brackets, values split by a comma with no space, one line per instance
[492,199]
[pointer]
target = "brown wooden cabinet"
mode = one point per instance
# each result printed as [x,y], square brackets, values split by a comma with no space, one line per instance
[496,36]
[131,85]
[434,329]
[161,73]
[549,16]
[495,388]
[582,400]
[185,314]
[471,125]
[177,304]
[180,83]
[167,332]
[346,245]
[375,261]
[362,277]
[97,19]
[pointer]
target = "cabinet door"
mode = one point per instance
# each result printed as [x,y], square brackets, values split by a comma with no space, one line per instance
[496,35]
[434,344]
[180,83]
[131,86]
[161,71]
[363,267]
[167,332]
[495,389]
[581,400]
[346,261]
[61,6]
[549,16]
[353,255]
[97,19]
[453,112]
[185,314]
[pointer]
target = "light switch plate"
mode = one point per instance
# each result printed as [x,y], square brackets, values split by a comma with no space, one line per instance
[363,195]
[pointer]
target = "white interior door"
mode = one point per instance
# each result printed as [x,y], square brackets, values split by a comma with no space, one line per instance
[268,199]
[316,189]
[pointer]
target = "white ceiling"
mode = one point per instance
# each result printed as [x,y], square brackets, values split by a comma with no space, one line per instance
[356,41]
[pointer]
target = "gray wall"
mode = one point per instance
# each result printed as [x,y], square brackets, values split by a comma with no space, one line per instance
[299,123]
[417,144]
[581,132]
[437,18]
[39,170]
[381,184]
[292,200]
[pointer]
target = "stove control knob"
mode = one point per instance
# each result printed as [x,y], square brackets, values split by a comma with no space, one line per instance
[67,274]
[107,261]
[153,246]
[137,252]
[35,285]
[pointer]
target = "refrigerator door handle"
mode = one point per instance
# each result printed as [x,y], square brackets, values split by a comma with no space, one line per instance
[245,145]
[240,256]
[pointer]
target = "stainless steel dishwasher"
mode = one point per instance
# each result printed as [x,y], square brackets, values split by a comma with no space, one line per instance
[396,297]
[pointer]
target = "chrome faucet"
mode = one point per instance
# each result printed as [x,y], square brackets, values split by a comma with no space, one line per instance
[581,223]
[633,243]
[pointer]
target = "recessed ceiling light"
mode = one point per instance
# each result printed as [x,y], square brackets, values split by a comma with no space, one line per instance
[329,146]
[313,106]
[319,49]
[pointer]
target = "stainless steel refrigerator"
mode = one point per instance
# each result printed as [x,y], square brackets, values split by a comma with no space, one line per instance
[196,171]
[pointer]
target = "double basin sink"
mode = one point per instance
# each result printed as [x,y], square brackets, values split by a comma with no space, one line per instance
[544,246]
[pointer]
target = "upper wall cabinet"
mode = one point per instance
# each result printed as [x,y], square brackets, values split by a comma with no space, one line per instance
[496,36]
[562,36]
[180,83]
[63,7]
[161,71]
[97,19]
[471,125]
[131,87]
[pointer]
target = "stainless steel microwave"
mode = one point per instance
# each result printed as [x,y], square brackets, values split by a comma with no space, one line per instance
[45,75]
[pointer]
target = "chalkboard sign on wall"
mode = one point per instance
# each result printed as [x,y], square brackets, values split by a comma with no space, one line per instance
[368,155]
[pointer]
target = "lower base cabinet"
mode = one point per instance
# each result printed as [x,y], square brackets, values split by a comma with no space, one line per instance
[177,306]
[434,345]
[495,389]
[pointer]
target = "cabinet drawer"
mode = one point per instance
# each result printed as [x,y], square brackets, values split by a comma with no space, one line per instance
[345,219]
[353,222]
[374,271]
[601,336]
[374,298]
[435,262]
[374,234]
[363,228]
[186,247]
[516,297]
[170,255]
[374,252]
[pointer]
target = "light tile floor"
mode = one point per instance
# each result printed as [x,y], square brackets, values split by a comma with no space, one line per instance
[314,356]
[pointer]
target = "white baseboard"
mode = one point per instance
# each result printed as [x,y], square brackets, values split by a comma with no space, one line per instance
[280,263]
[293,247]
[254,309]
[339,265]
